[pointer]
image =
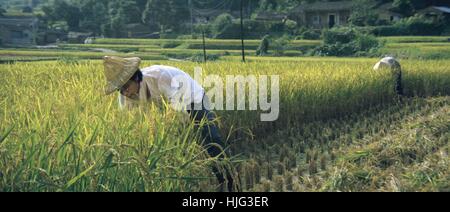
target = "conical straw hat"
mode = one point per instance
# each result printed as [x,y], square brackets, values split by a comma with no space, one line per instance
[387,62]
[118,71]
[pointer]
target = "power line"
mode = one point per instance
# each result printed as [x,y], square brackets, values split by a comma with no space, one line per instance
[223,4]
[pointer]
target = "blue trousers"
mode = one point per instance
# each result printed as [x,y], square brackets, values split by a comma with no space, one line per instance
[212,140]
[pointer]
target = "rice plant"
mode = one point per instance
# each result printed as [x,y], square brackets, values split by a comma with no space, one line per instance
[59,133]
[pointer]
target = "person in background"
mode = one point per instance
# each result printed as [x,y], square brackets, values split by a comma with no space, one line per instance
[396,69]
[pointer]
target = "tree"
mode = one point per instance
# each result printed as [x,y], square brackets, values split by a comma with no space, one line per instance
[222,23]
[35,3]
[165,13]
[61,10]
[403,7]
[291,26]
[149,15]
[27,9]
[2,11]
[117,19]
[94,15]
[363,14]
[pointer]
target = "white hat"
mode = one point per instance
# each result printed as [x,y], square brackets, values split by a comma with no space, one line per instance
[118,71]
[387,62]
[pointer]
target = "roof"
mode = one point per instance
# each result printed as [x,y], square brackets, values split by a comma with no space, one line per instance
[433,9]
[386,9]
[443,9]
[326,6]
[18,22]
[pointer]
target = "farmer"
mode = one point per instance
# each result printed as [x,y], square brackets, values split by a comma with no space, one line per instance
[154,83]
[392,64]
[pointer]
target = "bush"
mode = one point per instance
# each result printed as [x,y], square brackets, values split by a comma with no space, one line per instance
[389,31]
[169,44]
[415,25]
[264,46]
[338,35]
[222,24]
[309,34]
[419,25]
[186,37]
[280,45]
[347,42]
[291,26]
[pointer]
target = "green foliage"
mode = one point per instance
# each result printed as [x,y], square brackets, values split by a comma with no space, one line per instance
[62,10]
[27,9]
[347,42]
[403,7]
[309,34]
[291,26]
[95,17]
[415,25]
[362,13]
[222,24]
[263,46]
[280,45]
[420,25]
[2,11]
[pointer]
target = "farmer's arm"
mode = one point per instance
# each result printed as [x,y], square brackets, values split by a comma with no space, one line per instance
[121,101]
[125,103]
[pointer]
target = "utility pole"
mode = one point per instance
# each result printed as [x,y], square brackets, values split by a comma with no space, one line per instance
[192,17]
[204,44]
[242,30]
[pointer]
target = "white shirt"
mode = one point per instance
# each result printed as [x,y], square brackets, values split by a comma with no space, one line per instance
[166,82]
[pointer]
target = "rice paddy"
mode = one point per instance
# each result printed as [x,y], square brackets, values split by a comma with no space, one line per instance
[59,133]
[341,128]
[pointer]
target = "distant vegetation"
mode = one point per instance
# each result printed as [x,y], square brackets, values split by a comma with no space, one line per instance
[180,37]
[168,18]
[335,43]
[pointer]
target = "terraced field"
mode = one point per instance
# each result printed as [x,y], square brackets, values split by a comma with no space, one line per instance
[341,128]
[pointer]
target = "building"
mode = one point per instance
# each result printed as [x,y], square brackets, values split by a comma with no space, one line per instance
[435,12]
[323,14]
[330,14]
[385,13]
[18,30]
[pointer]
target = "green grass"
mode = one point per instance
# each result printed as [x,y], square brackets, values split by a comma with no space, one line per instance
[414,47]
[336,113]
[415,39]
[73,54]
[212,44]
[424,50]
[118,47]
[405,47]
[181,41]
